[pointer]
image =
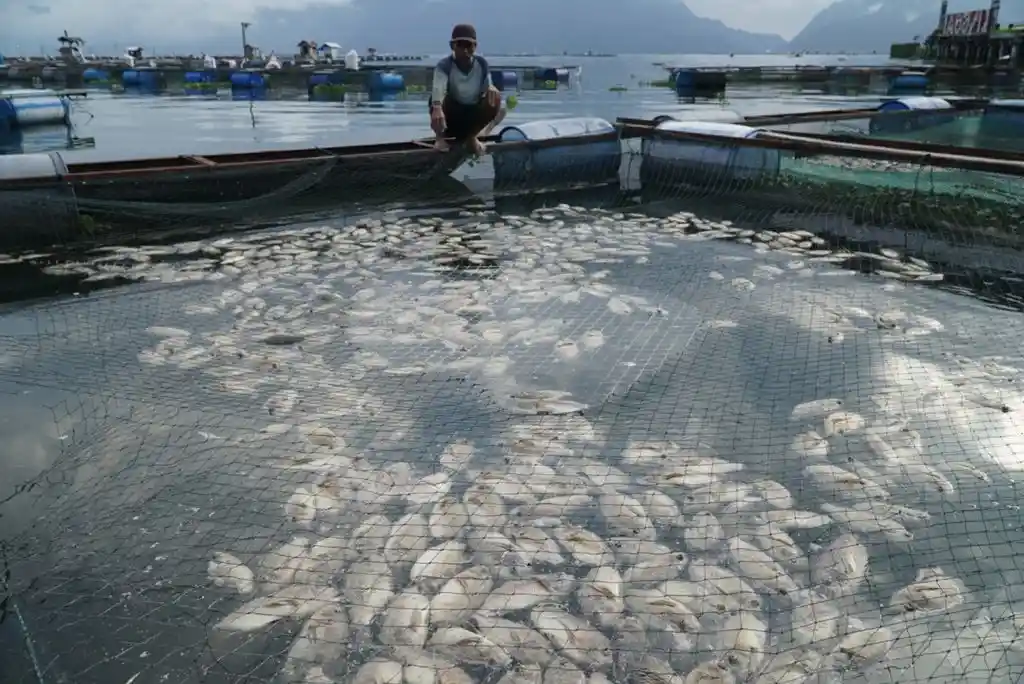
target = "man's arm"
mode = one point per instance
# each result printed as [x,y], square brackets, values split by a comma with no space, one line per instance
[487,83]
[439,89]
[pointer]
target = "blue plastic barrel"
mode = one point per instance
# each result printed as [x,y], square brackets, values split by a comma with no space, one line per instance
[92,75]
[532,166]
[319,79]
[1002,124]
[130,77]
[910,114]
[248,80]
[685,82]
[385,82]
[505,80]
[909,82]
[198,77]
[556,74]
[668,162]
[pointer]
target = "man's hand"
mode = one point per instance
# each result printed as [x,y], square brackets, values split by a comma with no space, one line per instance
[437,117]
[493,97]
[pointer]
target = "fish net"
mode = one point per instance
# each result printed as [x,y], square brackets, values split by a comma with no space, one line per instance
[686,425]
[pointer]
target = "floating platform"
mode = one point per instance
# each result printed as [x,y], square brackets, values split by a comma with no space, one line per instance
[298,75]
[852,75]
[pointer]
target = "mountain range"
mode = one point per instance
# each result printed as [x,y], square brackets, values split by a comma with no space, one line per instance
[540,26]
[644,26]
[536,26]
[858,25]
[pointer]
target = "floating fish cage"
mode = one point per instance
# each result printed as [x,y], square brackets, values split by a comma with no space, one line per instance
[940,187]
[574,151]
[744,160]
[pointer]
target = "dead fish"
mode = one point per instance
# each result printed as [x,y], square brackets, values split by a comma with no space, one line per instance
[794,666]
[710,673]
[369,537]
[438,564]
[448,518]
[468,647]
[409,538]
[795,520]
[864,645]
[584,546]
[293,602]
[815,408]
[759,568]
[367,588]
[226,570]
[703,532]
[840,567]
[461,595]
[563,671]
[843,423]
[379,671]
[523,643]
[654,602]
[525,593]
[523,673]
[322,639]
[869,523]
[600,595]
[931,591]
[277,568]
[725,582]
[625,515]
[406,620]
[742,638]
[810,446]
[839,482]
[662,508]
[535,544]
[813,619]
[576,639]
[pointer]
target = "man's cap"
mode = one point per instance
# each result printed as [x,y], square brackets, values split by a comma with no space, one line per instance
[464,32]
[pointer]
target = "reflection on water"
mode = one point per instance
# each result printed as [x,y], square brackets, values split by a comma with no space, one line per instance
[246,368]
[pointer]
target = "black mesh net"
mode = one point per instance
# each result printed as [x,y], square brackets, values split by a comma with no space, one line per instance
[710,414]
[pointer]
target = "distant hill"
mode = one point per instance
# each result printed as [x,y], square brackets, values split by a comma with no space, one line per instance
[541,26]
[866,25]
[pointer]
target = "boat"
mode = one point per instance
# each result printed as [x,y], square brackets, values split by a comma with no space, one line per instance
[247,176]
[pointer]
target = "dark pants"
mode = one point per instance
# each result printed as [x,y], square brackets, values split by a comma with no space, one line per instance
[466,121]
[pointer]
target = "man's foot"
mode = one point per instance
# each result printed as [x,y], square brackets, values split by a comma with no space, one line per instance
[441,145]
[477,147]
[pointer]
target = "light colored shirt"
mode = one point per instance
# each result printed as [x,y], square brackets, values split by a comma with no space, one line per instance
[465,87]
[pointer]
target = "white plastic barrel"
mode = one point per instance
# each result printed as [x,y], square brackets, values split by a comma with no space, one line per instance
[703,114]
[26,107]
[911,113]
[44,166]
[596,162]
[352,60]
[672,159]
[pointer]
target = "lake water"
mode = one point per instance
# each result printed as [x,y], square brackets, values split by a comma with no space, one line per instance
[132,453]
[127,125]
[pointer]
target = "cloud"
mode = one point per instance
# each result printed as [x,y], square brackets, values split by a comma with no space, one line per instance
[129,22]
[784,17]
[194,25]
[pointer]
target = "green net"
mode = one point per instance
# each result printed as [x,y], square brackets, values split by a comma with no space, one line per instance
[686,422]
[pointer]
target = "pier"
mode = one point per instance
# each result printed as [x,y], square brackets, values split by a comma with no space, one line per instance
[977,41]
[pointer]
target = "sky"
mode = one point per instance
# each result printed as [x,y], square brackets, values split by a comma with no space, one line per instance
[31,25]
